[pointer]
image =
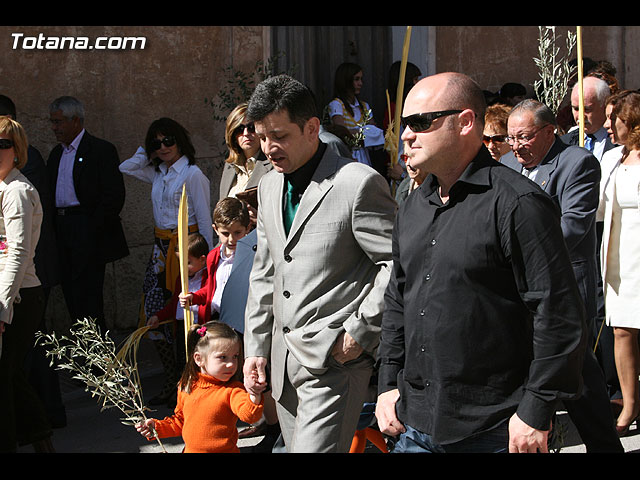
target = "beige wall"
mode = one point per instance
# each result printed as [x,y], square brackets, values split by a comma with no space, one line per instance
[499,54]
[123,92]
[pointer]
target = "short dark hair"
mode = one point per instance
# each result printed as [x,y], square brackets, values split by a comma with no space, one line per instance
[280,93]
[197,245]
[7,107]
[229,210]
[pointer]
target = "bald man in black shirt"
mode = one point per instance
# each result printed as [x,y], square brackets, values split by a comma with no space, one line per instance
[483,330]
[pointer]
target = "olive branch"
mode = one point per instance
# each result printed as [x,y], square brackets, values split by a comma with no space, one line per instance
[555,70]
[92,359]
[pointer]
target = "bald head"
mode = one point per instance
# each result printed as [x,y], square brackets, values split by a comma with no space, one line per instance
[452,90]
[445,145]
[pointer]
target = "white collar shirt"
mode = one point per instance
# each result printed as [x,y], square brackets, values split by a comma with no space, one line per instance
[222,275]
[65,190]
[166,191]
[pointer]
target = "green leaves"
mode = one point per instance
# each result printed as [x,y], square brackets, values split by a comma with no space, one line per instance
[94,361]
[555,71]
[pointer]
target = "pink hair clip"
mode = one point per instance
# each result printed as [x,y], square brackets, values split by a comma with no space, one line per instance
[202,331]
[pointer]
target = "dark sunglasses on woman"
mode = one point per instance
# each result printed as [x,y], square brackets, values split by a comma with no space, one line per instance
[486,139]
[166,141]
[251,128]
[5,143]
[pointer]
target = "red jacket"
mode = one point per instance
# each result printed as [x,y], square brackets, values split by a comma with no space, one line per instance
[204,296]
[169,310]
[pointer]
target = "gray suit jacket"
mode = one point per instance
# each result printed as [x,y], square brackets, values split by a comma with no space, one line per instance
[263,165]
[571,175]
[328,275]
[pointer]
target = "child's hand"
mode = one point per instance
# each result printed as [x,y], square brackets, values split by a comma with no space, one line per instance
[259,387]
[256,399]
[153,322]
[147,428]
[185,299]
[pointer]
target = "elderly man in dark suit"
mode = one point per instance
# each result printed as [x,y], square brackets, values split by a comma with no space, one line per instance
[89,194]
[595,93]
[571,176]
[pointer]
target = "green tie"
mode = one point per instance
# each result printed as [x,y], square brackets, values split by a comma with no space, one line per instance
[290,206]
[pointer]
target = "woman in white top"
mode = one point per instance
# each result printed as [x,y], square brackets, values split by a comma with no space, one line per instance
[348,110]
[167,162]
[23,420]
[619,209]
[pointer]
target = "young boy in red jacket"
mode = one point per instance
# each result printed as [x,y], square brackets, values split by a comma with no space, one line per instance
[198,250]
[231,222]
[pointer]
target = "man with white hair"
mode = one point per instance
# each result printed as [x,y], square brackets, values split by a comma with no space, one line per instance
[596,91]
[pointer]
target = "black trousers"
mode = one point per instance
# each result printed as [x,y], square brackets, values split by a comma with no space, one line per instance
[591,412]
[81,266]
[23,419]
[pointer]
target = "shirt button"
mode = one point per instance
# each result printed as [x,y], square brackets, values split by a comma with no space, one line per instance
[286,294]
[427,277]
[433,242]
[286,330]
[422,313]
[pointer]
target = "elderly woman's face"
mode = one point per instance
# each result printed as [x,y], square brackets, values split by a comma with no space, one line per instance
[495,139]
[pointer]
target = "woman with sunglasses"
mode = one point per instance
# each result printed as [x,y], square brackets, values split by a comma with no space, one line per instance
[246,163]
[167,162]
[23,419]
[495,130]
[620,255]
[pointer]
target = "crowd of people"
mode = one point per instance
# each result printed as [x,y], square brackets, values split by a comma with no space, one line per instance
[451,300]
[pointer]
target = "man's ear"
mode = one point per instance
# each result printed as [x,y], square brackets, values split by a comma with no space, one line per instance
[467,119]
[312,127]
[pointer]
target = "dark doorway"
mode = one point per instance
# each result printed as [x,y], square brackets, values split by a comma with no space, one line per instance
[314,53]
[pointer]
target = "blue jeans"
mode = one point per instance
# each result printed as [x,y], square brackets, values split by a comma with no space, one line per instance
[495,440]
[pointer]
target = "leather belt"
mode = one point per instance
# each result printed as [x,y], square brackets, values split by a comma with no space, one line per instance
[70,211]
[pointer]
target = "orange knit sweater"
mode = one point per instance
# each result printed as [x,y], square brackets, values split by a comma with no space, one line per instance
[207,417]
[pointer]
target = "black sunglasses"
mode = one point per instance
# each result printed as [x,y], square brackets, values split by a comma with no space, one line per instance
[5,143]
[166,141]
[420,122]
[251,128]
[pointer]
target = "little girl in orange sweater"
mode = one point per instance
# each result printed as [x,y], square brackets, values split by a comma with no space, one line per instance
[211,399]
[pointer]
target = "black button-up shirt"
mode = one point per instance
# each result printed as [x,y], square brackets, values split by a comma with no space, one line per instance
[482,313]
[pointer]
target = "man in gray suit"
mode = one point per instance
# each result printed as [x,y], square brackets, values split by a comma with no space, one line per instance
[322,264]
[571,176]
